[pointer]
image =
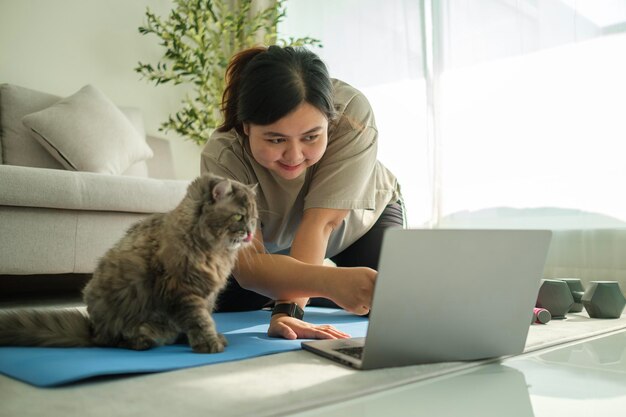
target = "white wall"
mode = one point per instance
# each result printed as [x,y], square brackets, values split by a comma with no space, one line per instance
[59,46]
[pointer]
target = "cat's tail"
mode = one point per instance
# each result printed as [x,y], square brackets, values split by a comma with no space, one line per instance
[52,328]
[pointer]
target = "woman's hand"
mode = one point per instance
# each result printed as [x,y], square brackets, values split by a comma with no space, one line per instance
[353,289]
[292,328]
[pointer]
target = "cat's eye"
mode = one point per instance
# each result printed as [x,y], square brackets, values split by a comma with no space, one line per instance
[236,217]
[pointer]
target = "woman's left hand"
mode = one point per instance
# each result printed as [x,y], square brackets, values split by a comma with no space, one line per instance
[292,328]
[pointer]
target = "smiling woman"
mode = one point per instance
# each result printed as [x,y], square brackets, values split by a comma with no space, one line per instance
[310,143]
[290,145]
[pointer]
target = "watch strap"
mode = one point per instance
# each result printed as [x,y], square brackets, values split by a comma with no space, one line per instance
[290,309]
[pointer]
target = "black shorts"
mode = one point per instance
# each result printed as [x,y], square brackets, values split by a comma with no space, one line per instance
[363,252]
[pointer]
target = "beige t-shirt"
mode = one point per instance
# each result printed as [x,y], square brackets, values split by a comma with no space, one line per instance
[348,176]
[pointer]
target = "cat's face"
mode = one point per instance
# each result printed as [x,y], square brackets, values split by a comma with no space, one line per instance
[226,210]
[238,212]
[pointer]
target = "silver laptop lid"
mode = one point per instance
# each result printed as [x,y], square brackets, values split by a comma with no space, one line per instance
[449,295]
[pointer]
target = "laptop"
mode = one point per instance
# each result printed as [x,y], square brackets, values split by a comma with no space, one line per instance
[445,295]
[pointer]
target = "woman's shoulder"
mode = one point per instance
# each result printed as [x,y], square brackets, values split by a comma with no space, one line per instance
[221,144]
[352,106]
[346,96]
[223,154]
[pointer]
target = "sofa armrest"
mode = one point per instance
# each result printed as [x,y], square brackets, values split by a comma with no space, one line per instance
[70,190]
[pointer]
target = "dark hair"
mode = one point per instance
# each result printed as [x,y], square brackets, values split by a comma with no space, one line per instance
[265,84]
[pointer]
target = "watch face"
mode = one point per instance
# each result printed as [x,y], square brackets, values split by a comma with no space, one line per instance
[299,313]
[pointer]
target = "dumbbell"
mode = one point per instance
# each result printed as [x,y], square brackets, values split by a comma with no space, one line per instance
[576,288]
[556,297]
[540,316]
[601,299]
[604,300]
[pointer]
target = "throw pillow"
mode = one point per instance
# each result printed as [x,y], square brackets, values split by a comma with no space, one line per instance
[18,146]
[87,132]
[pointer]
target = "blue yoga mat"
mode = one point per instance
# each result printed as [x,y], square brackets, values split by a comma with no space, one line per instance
[246,333]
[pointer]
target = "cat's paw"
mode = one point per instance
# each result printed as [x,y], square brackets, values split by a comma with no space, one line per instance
[208,343]
[140,343]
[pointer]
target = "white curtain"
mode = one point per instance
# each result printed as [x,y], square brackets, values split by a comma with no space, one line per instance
[532,105]
[532,131]
[376,46]
[495,113]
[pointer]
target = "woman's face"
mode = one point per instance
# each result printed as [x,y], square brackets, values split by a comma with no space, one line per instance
[291,144]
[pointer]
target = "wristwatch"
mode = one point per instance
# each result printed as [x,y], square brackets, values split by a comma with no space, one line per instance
[290,309]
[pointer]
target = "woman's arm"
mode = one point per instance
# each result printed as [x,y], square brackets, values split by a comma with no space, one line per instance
[282,277]
[309,246]
[311,239]
[302,275]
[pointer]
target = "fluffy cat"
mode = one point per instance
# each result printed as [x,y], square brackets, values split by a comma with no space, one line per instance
[159,281]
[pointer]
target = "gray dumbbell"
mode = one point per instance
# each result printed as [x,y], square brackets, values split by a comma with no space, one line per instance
[604,300]
[576,288]
[555,296]
[601,299]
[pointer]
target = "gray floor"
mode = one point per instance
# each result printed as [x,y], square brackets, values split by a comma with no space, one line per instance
[258,386]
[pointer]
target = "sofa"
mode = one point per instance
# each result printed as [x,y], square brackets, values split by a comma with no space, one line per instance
[75,173]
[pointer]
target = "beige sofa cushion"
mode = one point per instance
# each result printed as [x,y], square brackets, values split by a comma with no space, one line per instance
[18,147]
[52,241]
[87,132]
[138,169]
[49,188]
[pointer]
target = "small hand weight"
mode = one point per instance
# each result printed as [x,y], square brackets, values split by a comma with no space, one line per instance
[541,316]
[604,300]
[555,296]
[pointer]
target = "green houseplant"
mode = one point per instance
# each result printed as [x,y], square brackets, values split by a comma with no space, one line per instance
[200,37]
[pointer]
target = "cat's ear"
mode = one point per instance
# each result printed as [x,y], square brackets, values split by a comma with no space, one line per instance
[254,187]
[221,189]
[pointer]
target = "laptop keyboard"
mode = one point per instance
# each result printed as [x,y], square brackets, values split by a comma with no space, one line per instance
[355,352]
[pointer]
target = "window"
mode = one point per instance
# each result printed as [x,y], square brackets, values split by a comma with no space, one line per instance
[528,103]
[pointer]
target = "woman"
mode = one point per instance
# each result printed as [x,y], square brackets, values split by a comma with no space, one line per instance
[310,143]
